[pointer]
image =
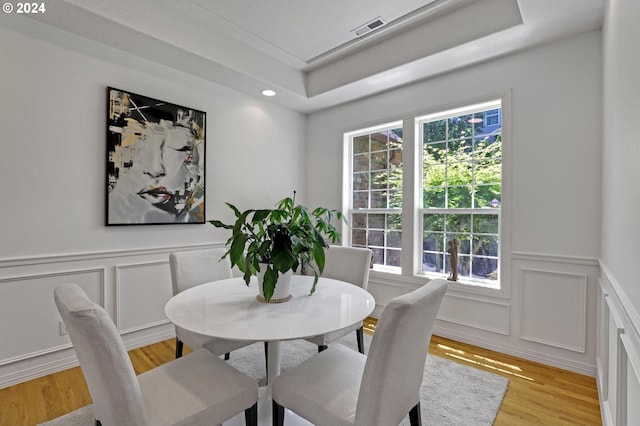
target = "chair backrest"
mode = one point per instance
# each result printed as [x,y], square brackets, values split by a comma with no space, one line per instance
[350,264]
[112,382]
[195,267]
[394,368]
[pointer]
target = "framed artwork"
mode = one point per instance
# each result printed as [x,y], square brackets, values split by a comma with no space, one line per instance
[155,161]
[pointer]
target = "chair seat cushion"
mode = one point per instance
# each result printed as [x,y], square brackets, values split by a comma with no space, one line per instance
[328,338]
[323,389]
[216,346]
[183,392]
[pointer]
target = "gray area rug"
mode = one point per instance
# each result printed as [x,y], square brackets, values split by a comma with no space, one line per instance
[452,394]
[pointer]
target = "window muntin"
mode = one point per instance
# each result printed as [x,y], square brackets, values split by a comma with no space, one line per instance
[376,187]
[462,192]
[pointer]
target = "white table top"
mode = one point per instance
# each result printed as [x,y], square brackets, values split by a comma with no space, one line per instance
[229,309]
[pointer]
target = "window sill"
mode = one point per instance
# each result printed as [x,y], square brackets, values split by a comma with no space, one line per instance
[489,289]
[462,287]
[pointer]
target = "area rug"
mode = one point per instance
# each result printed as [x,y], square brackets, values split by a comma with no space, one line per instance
[452,394]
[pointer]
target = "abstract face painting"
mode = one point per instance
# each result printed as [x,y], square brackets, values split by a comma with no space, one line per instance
[156,161]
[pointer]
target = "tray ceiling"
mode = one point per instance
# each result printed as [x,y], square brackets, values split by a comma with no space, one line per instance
[306,50]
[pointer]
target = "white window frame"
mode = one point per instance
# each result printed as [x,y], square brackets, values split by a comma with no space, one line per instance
[412,186]
[347,201]
[469,109]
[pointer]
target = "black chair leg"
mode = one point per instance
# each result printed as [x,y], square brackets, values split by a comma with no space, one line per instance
[322,348]
[266,361]
[277,416]
[179,346]
[226,356]
[98,423]
[251,415]
[360,338]
[415,416]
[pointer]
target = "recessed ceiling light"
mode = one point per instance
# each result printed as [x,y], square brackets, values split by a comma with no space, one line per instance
[268,92]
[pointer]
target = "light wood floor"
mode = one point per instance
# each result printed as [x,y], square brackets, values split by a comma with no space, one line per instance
[537,394]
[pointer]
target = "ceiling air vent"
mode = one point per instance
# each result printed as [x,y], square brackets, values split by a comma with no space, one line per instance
[369,26]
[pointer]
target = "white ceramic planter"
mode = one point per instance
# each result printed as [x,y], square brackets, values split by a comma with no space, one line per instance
[283,285]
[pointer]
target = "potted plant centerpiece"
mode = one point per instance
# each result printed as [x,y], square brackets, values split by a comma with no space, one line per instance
[271,243]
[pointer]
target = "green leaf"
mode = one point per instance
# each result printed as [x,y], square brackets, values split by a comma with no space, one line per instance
[315,282]
[240,222]
[235,210]
[247,276]
[219,224]
[269,283]
[236,252]
[285,204]
[284,260]
[261,215]
[319,257]
[245,267]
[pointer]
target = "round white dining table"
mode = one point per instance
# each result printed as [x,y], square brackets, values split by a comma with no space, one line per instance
[229,309]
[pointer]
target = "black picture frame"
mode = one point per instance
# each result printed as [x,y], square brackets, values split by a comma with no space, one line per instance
[156,162]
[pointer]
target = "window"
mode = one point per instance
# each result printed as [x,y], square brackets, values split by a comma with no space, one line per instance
[457,176]
[462,192]
[376,187]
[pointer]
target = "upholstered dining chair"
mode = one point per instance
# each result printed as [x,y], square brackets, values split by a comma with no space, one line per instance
[196,389]
[349,264]
[340,386]
[192,268]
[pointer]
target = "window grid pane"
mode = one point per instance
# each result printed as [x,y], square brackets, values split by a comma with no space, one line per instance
[466,163]
[377,194]
[478,243]
[381,232]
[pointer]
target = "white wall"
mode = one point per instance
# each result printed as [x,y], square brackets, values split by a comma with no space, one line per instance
[52,156]
[619,296]
[555,187]
[52,169]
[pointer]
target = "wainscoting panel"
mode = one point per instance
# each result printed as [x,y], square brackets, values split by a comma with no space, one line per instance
[545,312]
[132,285]
[554,308]
[619,360]
[633,381]
[629,382]
[383,290]
[602,343]
[485,315]
[142,290]
[29,320]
